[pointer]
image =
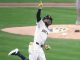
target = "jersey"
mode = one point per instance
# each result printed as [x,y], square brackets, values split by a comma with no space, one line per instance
[41,33]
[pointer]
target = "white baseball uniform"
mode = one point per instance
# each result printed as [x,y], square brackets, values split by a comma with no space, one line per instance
[35,51]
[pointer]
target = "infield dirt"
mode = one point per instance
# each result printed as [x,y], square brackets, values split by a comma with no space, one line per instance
[59,31]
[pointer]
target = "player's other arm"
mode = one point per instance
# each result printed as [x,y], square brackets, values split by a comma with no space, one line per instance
[38,15]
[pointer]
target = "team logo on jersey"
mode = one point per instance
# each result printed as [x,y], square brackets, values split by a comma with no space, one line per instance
[44,31]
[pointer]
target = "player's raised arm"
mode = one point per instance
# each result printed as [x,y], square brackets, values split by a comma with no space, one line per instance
[38,16]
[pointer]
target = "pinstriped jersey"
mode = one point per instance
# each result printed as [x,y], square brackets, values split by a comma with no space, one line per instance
[41,33]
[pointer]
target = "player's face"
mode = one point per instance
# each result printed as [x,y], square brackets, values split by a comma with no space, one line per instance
[48,22]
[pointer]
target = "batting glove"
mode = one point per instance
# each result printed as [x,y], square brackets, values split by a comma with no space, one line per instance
[47,47]
[40,5]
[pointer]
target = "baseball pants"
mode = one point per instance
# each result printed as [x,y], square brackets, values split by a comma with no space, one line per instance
[36,52]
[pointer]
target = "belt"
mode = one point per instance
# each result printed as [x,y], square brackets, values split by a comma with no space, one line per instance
[39,44]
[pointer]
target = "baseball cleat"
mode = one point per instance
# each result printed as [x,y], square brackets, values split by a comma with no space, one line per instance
[13,52]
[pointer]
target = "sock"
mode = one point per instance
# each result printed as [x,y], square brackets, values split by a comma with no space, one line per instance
[21,56]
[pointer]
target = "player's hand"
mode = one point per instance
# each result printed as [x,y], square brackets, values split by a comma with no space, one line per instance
[47,47]
[40,5]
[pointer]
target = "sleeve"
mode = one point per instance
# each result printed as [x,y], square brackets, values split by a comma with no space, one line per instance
[40,24]
[38,15]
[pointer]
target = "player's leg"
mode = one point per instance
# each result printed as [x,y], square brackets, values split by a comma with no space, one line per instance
[33,51]
[42,55]
[33,54]
[17,53]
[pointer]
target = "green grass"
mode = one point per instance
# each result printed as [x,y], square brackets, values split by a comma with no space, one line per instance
[27,16]
[19,1]
[17,16]
[10,41]
[61,49]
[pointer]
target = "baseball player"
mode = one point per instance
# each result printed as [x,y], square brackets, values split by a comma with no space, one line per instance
[41,33]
